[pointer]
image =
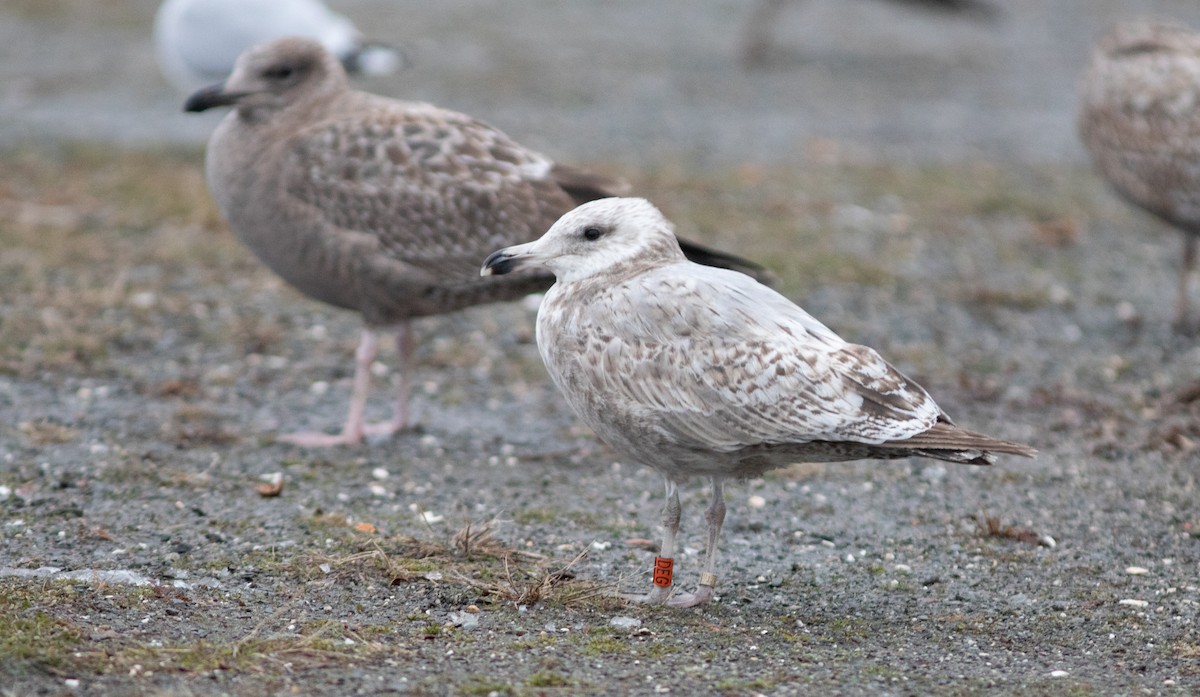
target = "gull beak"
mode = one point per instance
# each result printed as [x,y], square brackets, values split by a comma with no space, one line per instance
[212,96]
[507,260]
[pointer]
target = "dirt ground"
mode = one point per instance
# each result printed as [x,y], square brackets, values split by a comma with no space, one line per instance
[913,179]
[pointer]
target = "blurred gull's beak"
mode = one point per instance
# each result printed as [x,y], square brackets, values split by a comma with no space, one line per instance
[212,96]
[507,260]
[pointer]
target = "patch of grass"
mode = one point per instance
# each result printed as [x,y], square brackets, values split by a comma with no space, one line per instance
[549,678]
[31,639]
[604,646]
[741,685]
[533,516]
[485,686]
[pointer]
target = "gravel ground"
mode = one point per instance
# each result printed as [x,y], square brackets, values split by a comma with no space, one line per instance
[914,181]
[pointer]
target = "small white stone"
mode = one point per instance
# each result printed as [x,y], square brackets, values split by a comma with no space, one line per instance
[380,473]
[757,501]
[319,387]
[903,569]
[71,683]
[430,517]
[377,489]
[1136,570]
[466,620]
[379,369]
[1126,312]
[143,300]
[325,568]
[600,546]
[623,622]
[1059,673]
[1133,602]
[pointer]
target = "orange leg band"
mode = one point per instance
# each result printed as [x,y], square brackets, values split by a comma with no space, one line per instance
[662,571]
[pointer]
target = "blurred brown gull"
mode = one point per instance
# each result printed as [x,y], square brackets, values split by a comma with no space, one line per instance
[1140,121]
[700,371]
[379,206]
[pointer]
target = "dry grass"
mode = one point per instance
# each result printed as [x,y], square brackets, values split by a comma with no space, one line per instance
[475,558]
[101,251]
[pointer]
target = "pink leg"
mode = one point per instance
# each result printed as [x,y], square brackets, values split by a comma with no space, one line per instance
[405,348]
[1185,281]
[662,594]
[352,431]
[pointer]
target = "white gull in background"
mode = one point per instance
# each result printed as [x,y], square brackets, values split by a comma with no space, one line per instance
[376,205]
[701,371]
[198,41]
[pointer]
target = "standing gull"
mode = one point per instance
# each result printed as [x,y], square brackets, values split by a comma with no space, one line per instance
[1141,121]
[198,41]
[376,205]
[764,16]
[701,371]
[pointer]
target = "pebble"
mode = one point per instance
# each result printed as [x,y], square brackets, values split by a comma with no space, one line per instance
[319,387]
[1059,673]
[1136,570]
[380,473]
[623,622]
[757,501]
[466,620]
[1133,602]
[143,300]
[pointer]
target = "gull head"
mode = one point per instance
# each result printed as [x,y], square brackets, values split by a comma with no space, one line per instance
[273,75]
[606,236]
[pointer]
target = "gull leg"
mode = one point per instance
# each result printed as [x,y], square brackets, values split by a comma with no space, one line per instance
[715,518]
[352,431]
[1185,280]
[666,555]
[405,348]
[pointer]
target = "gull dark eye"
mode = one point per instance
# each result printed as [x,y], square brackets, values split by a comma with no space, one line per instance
[591,234]
[278,72]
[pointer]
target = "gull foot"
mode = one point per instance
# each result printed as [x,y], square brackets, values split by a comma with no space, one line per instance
[316,439]
[664,596]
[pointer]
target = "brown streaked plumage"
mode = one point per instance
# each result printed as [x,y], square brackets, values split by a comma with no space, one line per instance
[1140,120]
[376,205]
[697,371]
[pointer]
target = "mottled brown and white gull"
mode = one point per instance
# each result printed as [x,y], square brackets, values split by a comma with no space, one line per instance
[376,205]
[697,371]
[1140,120]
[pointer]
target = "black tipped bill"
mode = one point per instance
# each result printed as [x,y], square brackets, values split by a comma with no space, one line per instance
[208,97]
[499,262]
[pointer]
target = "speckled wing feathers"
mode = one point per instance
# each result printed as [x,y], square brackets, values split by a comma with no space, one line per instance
[1140,117]
[740,382]
[435,189]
